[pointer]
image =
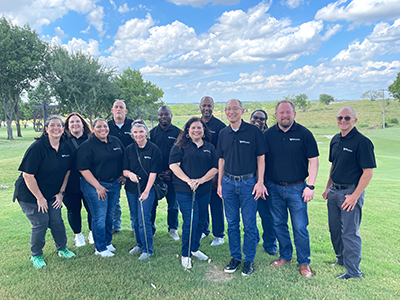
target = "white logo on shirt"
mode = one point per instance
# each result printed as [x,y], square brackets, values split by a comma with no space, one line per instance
[294,139]
[147,157]
[64,155]
[127,132]
[347,149]
[244,142]
[172,138]
[212,131]
[115,149]
[208,151]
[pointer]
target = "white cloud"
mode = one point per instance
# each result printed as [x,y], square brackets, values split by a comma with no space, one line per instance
[331,31]
[200,3]
[292,3]
[95,18]
[60,33]
[383,32]
[123,8]
[360,10]
[113,4]
[80,45]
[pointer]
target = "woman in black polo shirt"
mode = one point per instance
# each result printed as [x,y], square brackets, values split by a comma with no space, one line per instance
[145,168]
[194,163]
[40,188]
[78,131]
[99,159]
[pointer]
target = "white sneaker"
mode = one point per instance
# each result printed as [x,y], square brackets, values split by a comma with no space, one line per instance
[135,250]
[105,253]
[200,255]
[173,233]
[186,262]
[144,255]
[111,248]
[217,241]
[79,240]
[90,238]
[203,235]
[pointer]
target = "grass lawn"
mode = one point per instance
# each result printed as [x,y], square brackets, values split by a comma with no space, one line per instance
[125,277]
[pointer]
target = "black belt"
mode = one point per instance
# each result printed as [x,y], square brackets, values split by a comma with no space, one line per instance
[337,186]
[240,177]
[111,180]
[288,184]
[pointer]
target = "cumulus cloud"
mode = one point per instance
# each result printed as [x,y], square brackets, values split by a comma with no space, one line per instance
[360,10]
[60,33]
[113,4]
[123,8]
[331,31]
[292,3]
[200,3]
[237,38]
[383,32]
[75,44]
[95,19]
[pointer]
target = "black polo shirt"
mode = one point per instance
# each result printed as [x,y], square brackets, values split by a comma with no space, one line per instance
[150,157]
[103,159]
[215,125]
[349,155]
[241,148]
[74,185]
[287,159]
[49,167]
[164,139]
[124,134]
[195,163]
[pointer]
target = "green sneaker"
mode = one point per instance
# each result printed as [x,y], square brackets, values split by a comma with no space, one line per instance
[38,261]
[66,253]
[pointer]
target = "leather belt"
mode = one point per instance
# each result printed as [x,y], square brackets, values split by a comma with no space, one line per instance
[111,180]
[337,186]
[288,184]
[240,177]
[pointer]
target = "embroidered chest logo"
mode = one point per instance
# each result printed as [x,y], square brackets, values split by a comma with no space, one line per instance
[172,138]
[147,157]
[118,148]
[212,131]
[347,149]
[127,132]
[207,151]
[64,155]
[294,139]
[244,142]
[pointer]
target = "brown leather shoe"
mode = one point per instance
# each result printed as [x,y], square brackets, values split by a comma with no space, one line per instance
[280,262]
[305,270]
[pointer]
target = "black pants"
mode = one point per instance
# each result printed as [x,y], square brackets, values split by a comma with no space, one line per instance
[74,205]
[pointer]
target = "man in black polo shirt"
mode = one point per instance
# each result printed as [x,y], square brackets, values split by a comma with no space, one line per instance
[217,211]
[292,157]
[120,126]
[352,157]
[164,136]
[241,165]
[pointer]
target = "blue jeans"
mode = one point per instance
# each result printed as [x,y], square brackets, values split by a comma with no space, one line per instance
[268,235]
[217,216]
[102,211]
[282,199]
[200,212]
[238,198]
[137,219]
[40,222]
[117,216]
[172,218]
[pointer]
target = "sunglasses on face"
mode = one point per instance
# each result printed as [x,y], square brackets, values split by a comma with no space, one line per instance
[258,118]
[347,118]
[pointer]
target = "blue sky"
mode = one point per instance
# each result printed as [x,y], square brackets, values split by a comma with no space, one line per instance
[250,50]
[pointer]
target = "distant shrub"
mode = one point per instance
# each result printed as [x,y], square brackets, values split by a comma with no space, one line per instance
[363,125]
[393,121]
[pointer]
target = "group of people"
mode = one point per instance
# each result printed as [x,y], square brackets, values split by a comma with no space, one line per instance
[237,169]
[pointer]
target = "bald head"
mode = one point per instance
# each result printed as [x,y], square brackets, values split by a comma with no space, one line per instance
[206,107]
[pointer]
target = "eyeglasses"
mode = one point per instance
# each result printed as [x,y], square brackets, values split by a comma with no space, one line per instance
[138,122]
[122,100]
[232,108]
[262,119]
[347,118]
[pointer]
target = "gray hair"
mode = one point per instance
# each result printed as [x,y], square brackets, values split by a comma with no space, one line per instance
[139,123]
[240,103]
[285,101]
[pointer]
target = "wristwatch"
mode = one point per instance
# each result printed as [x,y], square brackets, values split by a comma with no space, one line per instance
[62,193]
[311,187]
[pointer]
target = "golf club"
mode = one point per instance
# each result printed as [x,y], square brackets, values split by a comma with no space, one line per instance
[191,227]
[144,226]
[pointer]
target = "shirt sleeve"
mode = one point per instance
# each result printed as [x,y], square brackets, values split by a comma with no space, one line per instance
[365,155]
[175,156]
[32,159]
[125,161]
[84,157]
[261,146]
[156,165]
[214,157]
[311,145]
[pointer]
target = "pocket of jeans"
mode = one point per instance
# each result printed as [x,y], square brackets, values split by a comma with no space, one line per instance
[300,187]
[250,182]
[225,180]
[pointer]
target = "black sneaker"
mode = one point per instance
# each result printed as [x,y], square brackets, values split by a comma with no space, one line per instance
[232,266]
[247,268]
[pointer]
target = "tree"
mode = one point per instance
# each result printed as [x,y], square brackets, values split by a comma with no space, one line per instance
[79,83]
[21,62]
[326,99]
[300,101]
[142,98]
[372,95]
[394,88]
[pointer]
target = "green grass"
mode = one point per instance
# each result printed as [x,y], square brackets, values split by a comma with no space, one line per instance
[124,277]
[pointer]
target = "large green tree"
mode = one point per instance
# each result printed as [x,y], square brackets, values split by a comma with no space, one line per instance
[142,98]
[79,83]
[22,55]
[394,88]
[326,99]
[372,95]
[300,101]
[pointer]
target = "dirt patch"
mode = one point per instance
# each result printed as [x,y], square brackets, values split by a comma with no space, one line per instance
[216,275]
